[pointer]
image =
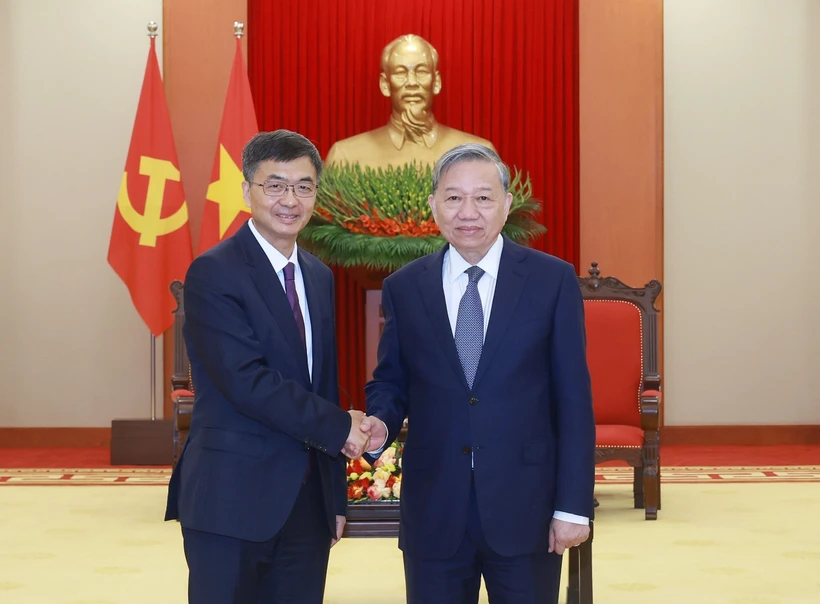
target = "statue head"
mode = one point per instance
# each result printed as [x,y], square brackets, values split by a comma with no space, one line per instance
[410,78]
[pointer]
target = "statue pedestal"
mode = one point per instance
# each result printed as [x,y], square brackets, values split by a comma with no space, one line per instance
[371,280]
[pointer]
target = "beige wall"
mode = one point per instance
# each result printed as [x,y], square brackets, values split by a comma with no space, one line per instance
[741,211]
[72,350]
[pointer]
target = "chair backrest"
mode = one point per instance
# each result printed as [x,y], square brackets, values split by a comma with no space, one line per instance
[181,378]
[622,345]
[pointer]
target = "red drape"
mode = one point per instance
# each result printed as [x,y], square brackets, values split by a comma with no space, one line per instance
[509,73]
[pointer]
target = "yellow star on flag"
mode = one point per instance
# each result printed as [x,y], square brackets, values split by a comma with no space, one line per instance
[227,191]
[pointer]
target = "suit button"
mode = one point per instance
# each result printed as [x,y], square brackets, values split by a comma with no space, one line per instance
[467,450]
[473,400]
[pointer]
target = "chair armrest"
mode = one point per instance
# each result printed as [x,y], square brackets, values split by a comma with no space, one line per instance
[652,382]
[650,410]
[183,407]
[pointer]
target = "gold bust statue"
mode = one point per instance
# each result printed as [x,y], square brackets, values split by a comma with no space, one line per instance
[410,78]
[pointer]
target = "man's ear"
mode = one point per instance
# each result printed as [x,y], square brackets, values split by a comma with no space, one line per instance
[431,201]
[437,83]
[246,192]
[384,85]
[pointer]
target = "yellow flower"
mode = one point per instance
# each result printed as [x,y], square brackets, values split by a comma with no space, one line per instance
[381,475]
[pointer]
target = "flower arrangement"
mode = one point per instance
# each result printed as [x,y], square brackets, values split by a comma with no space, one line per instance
[379,482]
[380,219]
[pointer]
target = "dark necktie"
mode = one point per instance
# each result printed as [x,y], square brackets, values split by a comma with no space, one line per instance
[470,326]
[293,298]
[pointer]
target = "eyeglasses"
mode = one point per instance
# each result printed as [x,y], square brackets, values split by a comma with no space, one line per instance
[277,188]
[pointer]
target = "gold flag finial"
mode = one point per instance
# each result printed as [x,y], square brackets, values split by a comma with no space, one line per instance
[238,29]
[152,29]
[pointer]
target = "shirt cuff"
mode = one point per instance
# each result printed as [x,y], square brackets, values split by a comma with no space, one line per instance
[380,450]
[566,517]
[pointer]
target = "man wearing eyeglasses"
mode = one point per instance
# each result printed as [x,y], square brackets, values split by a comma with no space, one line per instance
[260,488]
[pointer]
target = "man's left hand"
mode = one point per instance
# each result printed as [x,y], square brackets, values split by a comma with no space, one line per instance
[340,528]
[564,535]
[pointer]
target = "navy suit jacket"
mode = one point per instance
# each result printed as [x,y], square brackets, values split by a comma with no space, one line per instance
[256,412]
[527,422]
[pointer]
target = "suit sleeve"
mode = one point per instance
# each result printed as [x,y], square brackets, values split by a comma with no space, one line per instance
[572,393]
[223,341]
[386,393]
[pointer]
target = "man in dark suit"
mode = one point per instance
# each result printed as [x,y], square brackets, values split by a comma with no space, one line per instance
[260,488]
[483,351]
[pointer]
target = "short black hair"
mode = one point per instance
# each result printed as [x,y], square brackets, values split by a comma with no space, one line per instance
[279,145]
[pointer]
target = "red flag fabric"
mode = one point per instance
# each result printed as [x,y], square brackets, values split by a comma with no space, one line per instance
[150,242]
[225,209]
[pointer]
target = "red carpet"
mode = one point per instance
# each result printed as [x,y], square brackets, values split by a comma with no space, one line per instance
[786,455]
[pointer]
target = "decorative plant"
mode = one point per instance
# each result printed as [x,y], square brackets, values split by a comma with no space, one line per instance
[379,482]
[380,219]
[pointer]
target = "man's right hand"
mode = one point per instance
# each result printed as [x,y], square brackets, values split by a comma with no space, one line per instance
[377,431]
[359,439]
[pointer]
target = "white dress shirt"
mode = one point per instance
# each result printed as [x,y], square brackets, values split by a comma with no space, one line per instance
[455,280]
[278,261]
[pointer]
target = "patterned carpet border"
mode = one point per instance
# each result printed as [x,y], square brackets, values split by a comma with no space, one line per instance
[604,475]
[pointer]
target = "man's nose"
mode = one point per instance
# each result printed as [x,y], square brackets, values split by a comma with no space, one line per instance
[468,208]
[288,199]
[412,80]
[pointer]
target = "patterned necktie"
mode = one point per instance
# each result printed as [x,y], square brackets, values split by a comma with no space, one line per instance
[470,326]
[293,298]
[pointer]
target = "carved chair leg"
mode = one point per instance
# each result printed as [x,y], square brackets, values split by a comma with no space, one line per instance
[651,474]
[637,487]
[585,562]
[574,586]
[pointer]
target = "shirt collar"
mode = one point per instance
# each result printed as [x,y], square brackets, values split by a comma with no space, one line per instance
[397,136]
[489,263]
[277,259]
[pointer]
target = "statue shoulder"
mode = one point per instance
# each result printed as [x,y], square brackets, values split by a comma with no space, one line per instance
[355,147]
[452,137]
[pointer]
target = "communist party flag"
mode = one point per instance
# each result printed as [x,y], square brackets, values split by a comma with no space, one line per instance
[225,209]
[151,241]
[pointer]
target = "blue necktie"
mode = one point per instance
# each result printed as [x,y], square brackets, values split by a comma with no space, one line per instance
[470,326]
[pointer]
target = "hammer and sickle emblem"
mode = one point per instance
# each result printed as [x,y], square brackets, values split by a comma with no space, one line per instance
[150,223]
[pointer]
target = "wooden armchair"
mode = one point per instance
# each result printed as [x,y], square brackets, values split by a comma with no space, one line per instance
[622,352]
[182,394]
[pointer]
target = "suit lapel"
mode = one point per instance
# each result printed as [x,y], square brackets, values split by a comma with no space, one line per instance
[315,306]
[432,294]
[269,286]
[512,276]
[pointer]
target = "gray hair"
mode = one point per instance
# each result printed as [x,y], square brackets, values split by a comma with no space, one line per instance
[281,146]
[470,152]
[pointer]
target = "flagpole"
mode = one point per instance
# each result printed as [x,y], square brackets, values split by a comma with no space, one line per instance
[153,377]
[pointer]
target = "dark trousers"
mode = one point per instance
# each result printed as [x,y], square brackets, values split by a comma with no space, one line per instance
[290,568]
[529,579]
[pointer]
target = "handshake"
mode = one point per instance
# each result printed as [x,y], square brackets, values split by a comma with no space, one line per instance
[366,433]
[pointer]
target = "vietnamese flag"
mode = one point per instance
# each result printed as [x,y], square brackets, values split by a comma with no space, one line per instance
[151,241]
[225,209]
